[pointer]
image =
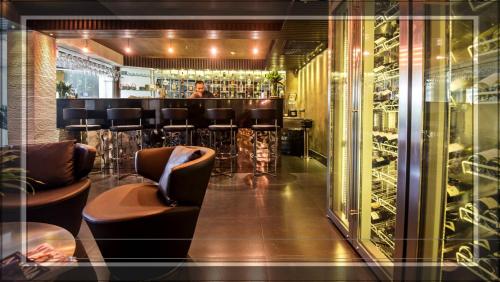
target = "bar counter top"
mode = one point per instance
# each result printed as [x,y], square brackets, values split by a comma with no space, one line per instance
[151,109]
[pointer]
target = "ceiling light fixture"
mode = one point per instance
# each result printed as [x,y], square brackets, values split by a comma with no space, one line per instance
[255,51]
[213,51]
[128,49]
[85,49]
[170,50]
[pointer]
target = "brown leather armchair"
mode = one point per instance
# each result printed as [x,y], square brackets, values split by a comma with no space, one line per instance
[61,206]
[133,223]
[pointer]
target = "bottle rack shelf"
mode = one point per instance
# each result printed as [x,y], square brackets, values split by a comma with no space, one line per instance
[385,148]
[391,13]
[481,170]
[389,106]
[474,266]
[378,229]
[485,45]
[387,75]
[470,216]
[386,177]
[387,45]
[386,197]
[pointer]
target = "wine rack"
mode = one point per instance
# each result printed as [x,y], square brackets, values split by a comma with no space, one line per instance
[385,111]
[485,223]
[481,170]
[474,265]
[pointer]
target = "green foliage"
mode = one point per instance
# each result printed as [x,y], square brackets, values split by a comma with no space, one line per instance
[274,77]
[64,89]
[13,177]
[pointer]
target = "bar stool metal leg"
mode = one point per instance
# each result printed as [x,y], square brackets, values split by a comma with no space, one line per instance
[255,153]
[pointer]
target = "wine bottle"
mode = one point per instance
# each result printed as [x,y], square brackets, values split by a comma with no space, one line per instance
[380,161]
[494,163]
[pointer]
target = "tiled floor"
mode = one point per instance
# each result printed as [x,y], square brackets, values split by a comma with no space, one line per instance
[275,219]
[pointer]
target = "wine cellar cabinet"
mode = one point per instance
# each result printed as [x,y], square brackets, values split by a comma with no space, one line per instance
[414,163]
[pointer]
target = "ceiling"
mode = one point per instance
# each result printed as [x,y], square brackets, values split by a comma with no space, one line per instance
[190,48]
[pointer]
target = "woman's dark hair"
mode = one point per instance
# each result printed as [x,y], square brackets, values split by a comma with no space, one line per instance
[199,82]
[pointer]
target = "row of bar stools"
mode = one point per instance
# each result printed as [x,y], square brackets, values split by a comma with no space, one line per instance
[175,115]
[80,115]
[265,122]
[222,123]
[118,116]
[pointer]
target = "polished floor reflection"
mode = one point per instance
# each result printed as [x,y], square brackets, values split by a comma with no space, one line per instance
[266,219]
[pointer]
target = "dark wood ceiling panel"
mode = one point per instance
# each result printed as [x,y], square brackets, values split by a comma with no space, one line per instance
[191,63]
[92,24]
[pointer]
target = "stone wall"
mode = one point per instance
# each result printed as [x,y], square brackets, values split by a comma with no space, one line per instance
[36,110]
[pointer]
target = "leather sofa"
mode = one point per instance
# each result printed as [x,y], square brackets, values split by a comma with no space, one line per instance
[134,223]
[60,205]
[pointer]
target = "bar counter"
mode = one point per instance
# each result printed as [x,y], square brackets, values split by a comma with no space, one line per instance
[151,109]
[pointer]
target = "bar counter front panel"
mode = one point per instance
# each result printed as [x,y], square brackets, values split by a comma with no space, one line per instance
[151,109]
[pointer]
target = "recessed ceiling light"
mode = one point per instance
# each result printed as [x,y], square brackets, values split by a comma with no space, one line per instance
[128,50]
[85,49]
[213,51]
[170,50]
[255,51]
[233,53]
[51,34]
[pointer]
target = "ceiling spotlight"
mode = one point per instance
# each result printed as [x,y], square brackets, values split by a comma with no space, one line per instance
[85,49]
[213,51]
[128,49]
[51,34]
[170,50]
[232,53]
[255,51]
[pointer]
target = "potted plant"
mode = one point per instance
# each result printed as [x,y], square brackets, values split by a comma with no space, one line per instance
[275,79]
[11,177]
[65,90]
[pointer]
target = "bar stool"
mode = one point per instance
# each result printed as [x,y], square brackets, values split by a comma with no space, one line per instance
[80,114]
[118,116]
[265,121]
[222,122]
[173,115]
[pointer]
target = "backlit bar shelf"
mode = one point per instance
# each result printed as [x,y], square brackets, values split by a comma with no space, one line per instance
[387,75]
[377,228]
[387,45]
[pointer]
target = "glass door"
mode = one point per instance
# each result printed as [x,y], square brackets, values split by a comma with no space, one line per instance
[378,133]
[339,119]
[460,165]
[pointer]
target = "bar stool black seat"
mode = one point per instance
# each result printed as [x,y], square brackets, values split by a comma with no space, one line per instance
[265,121]
[81,115]
[222,121]
[174,115]
[72,114]
[122,120]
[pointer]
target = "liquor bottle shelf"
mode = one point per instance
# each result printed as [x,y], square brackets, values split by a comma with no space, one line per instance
[479,220]
[481,170]
[474,266]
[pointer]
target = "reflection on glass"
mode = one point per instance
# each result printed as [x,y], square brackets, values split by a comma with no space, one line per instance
[461,164]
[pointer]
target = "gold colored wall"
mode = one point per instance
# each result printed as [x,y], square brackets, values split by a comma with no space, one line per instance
[312,96]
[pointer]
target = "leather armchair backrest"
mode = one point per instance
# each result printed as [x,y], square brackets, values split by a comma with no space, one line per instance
[189,181]
[150,163]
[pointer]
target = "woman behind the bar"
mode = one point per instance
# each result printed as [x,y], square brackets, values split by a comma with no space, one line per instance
[200,91]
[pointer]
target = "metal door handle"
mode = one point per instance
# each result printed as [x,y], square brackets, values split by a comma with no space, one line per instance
[353,212]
